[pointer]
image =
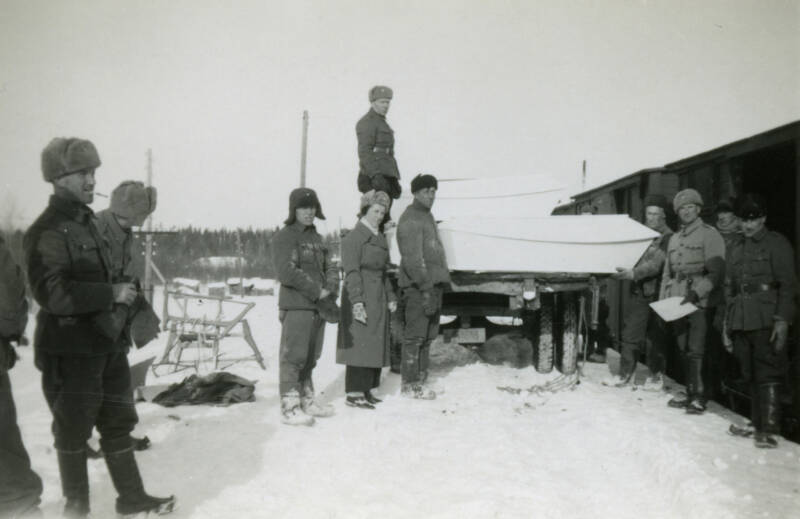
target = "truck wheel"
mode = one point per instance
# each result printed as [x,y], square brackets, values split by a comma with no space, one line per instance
[543,351]
[569,336]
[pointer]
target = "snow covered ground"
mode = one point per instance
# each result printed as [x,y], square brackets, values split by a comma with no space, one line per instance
[475,452]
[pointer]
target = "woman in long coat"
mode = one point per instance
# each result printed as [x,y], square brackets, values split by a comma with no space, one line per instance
[367,299]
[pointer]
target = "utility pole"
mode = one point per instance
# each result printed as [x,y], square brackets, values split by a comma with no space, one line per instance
[148,240]
[303,151]
[583,176]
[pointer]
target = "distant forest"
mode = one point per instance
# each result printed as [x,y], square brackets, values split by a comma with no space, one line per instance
[179,253]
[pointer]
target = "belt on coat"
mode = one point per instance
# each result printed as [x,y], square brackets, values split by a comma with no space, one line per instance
[382,150]
[754,288]
[680,276]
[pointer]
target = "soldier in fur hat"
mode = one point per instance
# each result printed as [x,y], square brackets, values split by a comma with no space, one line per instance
[422,277]
[131,203]
[85,373]
[694,269]
[377,165]
[309,284]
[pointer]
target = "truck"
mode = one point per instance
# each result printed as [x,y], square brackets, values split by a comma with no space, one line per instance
[541,271]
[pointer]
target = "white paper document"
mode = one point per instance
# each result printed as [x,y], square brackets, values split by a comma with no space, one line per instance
[671,309]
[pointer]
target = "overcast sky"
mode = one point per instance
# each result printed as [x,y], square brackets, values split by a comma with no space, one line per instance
[482,88]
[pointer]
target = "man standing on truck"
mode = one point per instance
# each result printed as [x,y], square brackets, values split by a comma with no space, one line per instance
[641,325]
[694,270]
[377,165]
[422,277]
[760,306]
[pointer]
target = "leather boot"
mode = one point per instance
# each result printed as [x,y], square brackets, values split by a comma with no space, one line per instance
[132,498]
[627,362]
[697,403]
[770,408]
[681,400]
[74,482]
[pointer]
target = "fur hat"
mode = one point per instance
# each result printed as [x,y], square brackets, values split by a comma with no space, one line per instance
[64,156]
[303,197]
[687,196]
[752,206]
[380,92]
[656,201]
[133,200]
[422,181]
[375,197]
[725,206]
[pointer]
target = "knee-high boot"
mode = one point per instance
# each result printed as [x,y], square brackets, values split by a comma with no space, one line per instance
[74,482]
[127,481]
[770,409]
[681,401]
[697,401]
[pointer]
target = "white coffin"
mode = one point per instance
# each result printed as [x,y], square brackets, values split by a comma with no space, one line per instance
[583,244]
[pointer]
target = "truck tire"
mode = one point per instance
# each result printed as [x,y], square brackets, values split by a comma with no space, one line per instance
[569,336]
[544,350]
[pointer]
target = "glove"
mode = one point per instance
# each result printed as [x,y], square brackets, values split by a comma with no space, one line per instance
[8,355]
[430,304]
[328,309]
[623,273]
[393,306]
[780,331]
[691,297]
[360,313]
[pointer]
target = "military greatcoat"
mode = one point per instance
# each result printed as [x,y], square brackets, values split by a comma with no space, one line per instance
[695,261]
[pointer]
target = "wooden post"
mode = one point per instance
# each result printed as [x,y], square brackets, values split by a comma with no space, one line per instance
[240,250]
[303,150]
[148,241]
[583,176]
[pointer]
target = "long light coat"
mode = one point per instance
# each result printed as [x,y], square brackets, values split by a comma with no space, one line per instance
[365,258]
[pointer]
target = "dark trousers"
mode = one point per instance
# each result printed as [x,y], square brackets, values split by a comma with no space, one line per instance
[359,379]
[758,361]
[690,336]
[642,328]
[20,486]
[419,330]
[87,392]
[302,334]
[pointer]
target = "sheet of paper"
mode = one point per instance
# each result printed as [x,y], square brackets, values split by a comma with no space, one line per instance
[671,309]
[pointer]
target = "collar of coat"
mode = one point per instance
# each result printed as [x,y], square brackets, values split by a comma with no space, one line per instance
[419,206]
[759,235]
[110,222]
[73,209]
[299,227]
[373,113]
[365,234]
[363,221]
[689,229]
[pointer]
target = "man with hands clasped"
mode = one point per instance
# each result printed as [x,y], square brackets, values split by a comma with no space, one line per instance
[422,277]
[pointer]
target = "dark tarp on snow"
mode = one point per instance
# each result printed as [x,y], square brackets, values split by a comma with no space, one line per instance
[220,388]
